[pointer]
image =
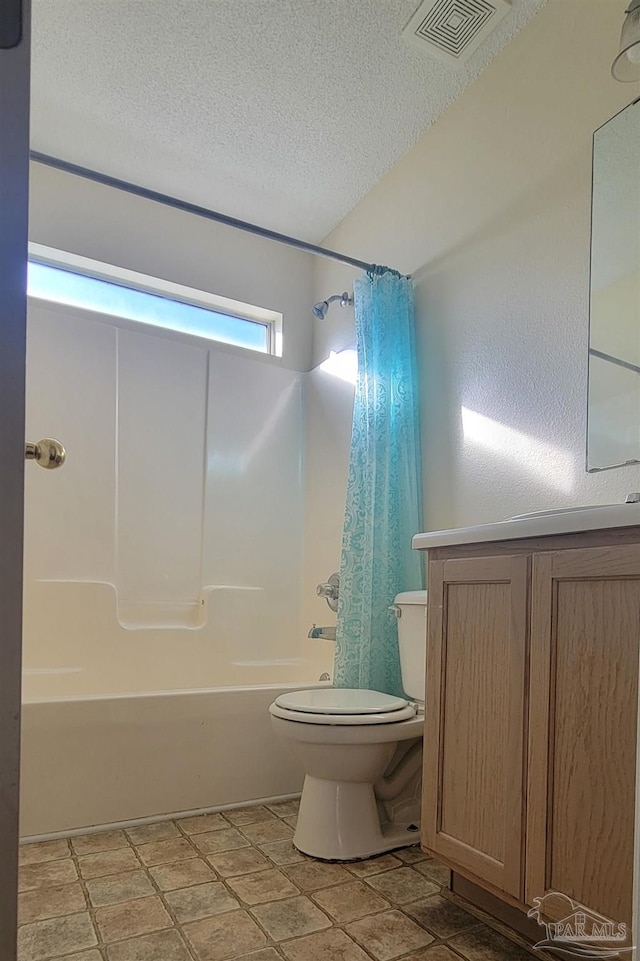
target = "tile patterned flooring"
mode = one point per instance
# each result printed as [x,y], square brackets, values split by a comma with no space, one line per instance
[232,886]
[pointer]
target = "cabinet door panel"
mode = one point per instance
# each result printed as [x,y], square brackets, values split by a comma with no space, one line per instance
[475,717]
[585,635]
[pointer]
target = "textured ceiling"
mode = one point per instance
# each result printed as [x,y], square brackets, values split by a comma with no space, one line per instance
[283,112]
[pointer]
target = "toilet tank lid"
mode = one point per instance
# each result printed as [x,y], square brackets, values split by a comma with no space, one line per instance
[411,597]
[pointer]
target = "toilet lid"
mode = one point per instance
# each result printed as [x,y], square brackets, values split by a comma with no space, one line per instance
[343,701]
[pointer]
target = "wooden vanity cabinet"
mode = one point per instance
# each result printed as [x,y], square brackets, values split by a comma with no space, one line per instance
[531,719]
[474,753]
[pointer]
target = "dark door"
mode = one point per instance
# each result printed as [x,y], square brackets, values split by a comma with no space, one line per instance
[14,174]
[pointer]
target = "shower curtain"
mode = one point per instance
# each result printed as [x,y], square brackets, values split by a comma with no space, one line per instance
[383,506]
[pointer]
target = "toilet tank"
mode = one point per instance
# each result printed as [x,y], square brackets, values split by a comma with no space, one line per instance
[411,614]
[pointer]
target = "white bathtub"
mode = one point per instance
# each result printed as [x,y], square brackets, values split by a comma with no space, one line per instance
[103,760]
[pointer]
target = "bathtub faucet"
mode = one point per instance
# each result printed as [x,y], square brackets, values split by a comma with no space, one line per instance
[328,633]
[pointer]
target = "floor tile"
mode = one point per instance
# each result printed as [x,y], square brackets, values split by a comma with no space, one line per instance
[389,935]
[163,946]
[56,936]
[485,944]
[435,871]
[317,874]
[249,815]
[202,823]
[119,887]
[103,841]
[283,808]
[160,831]
[50,902]
[440,916]
[326,946]
[230,864]
[282,852]
[165,852]
[265,954]
[33,876]
[182,874]
[438,952]
[200,901]
[216,841]
[108,862]
[362,869]
[231,886]
[347,902]
[225,936]
[262,886]
[411,855]
[402,885]
[290,918]
[41,851]
[93,955]
[275,830]
[120,921]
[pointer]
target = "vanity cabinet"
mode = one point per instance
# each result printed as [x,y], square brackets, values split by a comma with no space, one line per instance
[473,789]
[531,719]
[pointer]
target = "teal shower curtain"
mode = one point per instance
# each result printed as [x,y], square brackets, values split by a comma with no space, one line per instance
[383,507]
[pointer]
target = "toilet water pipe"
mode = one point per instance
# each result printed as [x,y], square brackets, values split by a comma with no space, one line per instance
[389,787]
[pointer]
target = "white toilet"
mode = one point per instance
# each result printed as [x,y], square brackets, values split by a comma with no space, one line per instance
[362,754]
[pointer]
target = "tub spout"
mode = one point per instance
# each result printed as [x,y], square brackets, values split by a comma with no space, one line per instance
[328,633]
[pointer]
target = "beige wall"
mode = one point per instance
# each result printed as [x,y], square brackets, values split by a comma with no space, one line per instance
[69,213]
[176,573]
[85,218]
[490,212]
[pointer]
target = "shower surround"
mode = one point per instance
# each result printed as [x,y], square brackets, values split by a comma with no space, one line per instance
[163,572]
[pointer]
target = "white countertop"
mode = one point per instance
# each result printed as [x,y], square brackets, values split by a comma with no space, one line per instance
[544,524]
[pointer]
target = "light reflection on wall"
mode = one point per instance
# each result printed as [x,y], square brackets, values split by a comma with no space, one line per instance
[342,364]
[548,463]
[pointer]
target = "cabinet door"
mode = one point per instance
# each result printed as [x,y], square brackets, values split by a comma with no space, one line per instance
[585,630]
[473,786]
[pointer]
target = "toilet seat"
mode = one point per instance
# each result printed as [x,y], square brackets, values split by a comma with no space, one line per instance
[344,706]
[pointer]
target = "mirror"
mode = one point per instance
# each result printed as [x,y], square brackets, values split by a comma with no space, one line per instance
[613,435]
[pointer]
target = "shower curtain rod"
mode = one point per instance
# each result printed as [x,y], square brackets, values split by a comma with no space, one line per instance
[189,208]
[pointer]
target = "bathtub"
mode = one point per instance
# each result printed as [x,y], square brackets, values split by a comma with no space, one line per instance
[120,725]
[96,761]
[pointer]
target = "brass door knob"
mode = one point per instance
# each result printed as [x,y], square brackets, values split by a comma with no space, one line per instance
[48,453]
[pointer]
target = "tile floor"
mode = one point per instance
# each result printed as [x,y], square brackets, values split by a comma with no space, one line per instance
[222,886]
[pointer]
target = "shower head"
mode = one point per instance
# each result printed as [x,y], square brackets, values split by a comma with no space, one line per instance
[320,309]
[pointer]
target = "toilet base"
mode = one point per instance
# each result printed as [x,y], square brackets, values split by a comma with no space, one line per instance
[339,821]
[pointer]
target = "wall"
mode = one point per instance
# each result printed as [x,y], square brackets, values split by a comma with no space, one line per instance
[76,215]
[166,553]
[328,410]
[490,212]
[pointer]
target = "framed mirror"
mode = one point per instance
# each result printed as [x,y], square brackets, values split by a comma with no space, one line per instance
[613,432]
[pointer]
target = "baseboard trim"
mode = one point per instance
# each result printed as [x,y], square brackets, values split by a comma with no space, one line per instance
[136,822]
[497,914]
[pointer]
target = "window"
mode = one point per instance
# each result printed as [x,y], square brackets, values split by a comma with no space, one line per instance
[68,279]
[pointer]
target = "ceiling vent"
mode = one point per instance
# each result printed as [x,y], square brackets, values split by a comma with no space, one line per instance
[452,30]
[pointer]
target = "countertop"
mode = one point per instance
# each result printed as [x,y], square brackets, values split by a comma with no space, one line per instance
[543,524]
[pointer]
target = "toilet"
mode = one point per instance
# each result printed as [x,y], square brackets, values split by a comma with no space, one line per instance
[362,754]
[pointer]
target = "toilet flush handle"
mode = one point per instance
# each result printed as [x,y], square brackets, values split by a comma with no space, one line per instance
[396,610]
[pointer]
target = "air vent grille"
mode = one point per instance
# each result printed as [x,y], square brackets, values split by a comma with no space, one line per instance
[454,29]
